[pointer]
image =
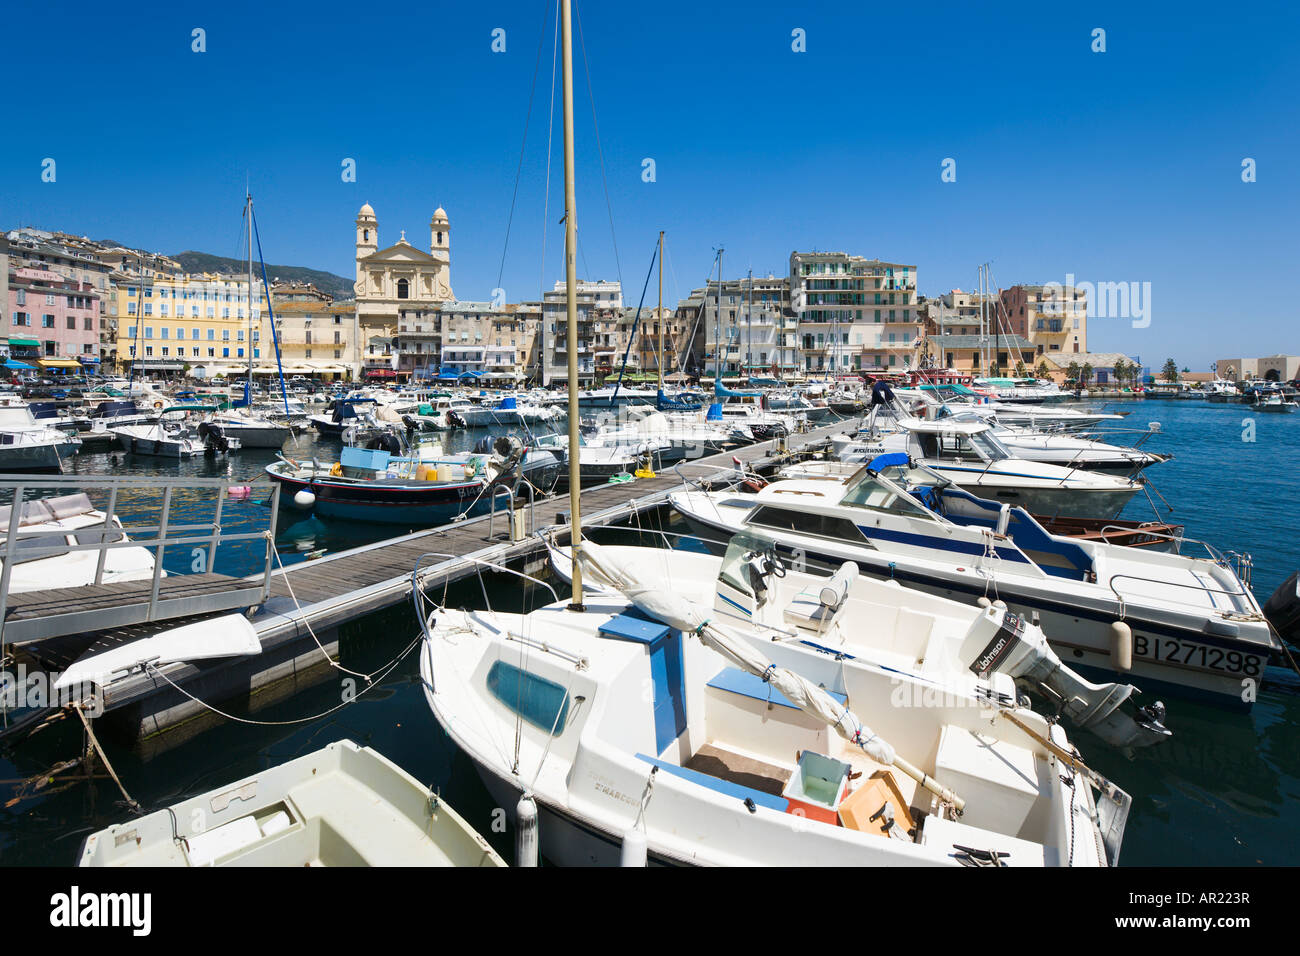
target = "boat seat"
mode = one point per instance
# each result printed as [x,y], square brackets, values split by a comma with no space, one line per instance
[351,811]
[725,787]
[736,681]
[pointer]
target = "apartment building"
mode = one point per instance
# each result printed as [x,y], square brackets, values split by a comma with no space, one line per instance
[53,319]
[855,314]
[1053,317]
[599,303]
[166,323]
[317,335]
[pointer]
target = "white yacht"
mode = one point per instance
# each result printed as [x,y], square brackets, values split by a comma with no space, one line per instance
[1163,620]
[969,454]
[29,445]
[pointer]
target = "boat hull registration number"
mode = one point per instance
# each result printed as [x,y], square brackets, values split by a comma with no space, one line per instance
[1169,650]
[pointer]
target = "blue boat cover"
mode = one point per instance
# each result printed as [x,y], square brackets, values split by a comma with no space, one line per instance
[888,461]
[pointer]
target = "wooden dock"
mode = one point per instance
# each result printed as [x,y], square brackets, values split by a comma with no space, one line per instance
[310,600]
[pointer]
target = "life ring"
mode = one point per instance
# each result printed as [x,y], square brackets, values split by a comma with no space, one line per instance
[157,404]
[336,470]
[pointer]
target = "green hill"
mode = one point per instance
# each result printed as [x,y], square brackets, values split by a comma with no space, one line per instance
[335,285]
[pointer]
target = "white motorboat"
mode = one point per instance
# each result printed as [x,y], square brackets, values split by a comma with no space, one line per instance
[645,729]
[930,400]
[970,455]
[940,640]
[171,438]
[1064,449]
[247,428]
[1169,622]
[29,445]
[50,528]
[341,806]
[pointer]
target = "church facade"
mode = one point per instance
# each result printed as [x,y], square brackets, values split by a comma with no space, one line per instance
[399,285]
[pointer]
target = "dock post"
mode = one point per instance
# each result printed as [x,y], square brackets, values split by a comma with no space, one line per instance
[158,556]
[15,519]
[108,525]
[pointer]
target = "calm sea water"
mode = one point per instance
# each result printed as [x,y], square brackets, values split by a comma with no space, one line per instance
[1222,792]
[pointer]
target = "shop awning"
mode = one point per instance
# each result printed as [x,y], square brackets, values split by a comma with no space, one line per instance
[11,364]
[58,363]
[33,343]
[380,373]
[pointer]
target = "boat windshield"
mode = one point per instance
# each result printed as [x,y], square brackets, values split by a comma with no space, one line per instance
[735,569]
[869,490]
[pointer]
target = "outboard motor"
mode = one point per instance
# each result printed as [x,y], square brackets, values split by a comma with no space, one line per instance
[483,446]
[213,439]
[1282,609]
[1002,642]
[385,441]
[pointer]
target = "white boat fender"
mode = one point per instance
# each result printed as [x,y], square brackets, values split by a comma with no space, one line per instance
[1121,646]
[526,831]
[983,601]
[836,590]
[634,851]
[304,499]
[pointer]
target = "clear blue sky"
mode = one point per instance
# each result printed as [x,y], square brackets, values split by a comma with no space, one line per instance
[1116,166]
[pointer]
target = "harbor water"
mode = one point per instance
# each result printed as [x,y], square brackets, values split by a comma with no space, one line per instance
[1224,791]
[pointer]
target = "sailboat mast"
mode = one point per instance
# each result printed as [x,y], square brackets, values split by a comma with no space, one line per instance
[717,330]
[248,214]
[660,313]
[571,305]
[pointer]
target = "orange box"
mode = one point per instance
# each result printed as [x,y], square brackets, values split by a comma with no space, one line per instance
[813,812]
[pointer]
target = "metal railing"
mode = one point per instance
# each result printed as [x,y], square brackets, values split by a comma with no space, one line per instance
[114,535]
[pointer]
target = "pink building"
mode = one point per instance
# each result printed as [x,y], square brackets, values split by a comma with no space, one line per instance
[60,314]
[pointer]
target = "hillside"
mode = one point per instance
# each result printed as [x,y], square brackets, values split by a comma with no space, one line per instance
[335,285]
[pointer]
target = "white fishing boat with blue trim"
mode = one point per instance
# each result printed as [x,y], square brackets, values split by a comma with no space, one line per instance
[643,728]
[1168,622]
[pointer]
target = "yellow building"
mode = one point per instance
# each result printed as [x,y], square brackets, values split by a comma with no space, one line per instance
[171,323]
[318,337]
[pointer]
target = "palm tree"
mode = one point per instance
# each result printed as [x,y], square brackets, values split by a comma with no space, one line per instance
[1121,370]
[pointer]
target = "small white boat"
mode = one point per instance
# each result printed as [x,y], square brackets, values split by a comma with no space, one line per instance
[341,806]
[52,524]
[29,445]
[645,730]
[175,438]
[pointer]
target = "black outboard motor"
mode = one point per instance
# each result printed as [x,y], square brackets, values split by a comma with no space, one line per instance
[213,438]
[483,446]
[1283,609]
[386,441]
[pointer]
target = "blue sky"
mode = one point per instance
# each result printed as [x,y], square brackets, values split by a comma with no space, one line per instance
[1117,166]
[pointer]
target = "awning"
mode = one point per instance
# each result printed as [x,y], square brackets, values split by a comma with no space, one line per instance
[11,364]
[58,363]
[34,343]
[88,359]
[380,373]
